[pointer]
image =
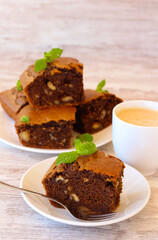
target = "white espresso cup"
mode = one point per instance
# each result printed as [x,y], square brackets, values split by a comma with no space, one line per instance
[136,145]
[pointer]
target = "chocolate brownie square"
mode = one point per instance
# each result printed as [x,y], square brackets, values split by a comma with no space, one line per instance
[95,112]
[90,185]
[13,101]
[61,83]
[46,128]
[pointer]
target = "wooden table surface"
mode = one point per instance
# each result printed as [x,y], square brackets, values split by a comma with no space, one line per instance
[116,40]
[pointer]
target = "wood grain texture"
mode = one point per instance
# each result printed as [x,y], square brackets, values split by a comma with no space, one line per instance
[116,40]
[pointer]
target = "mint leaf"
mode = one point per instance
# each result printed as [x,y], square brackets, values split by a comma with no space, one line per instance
[100,86]
[52,54]
[18,86]
[86,148]
[24,119]
[86,137]
[67,157]
[78,144]
[40,64]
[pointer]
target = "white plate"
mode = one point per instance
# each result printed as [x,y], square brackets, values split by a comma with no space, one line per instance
[8,135]
[135,195]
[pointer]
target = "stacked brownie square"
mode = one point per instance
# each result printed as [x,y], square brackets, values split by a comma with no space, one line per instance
[61,83]
[13,101]
[95,112]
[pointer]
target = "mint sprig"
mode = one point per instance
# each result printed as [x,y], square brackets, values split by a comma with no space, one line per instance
[18,86]
[40,64]
[67,157]
[50,56]
[100,86]
[86,137]
[83,145]
[25,119]
[86,148]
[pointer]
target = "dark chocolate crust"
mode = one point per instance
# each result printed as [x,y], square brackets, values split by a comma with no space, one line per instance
[91,184]
[47,128]
[95,112]
[61,83]
[13,101]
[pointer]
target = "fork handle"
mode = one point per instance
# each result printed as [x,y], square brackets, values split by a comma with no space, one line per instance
[27,191]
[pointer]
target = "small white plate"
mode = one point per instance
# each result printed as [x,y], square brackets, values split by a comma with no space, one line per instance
[8,135]
[135,195]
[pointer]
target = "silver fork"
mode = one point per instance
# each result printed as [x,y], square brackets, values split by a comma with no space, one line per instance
[87,217]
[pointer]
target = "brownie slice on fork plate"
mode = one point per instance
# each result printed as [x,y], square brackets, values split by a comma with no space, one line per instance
[92,184]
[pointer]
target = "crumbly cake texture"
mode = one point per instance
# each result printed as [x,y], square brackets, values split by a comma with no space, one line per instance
[61,83]
[47,128]
[91,184]
[95,112]
[13,101]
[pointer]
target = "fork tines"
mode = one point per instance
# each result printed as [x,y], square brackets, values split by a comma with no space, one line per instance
[100,217]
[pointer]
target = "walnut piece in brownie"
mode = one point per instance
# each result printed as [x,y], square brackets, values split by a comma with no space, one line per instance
[95,112]
[13,101]
[91,184]
[47,128]
[61,83]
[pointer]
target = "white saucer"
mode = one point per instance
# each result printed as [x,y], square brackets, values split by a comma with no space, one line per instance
[8,135]
[135,195]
